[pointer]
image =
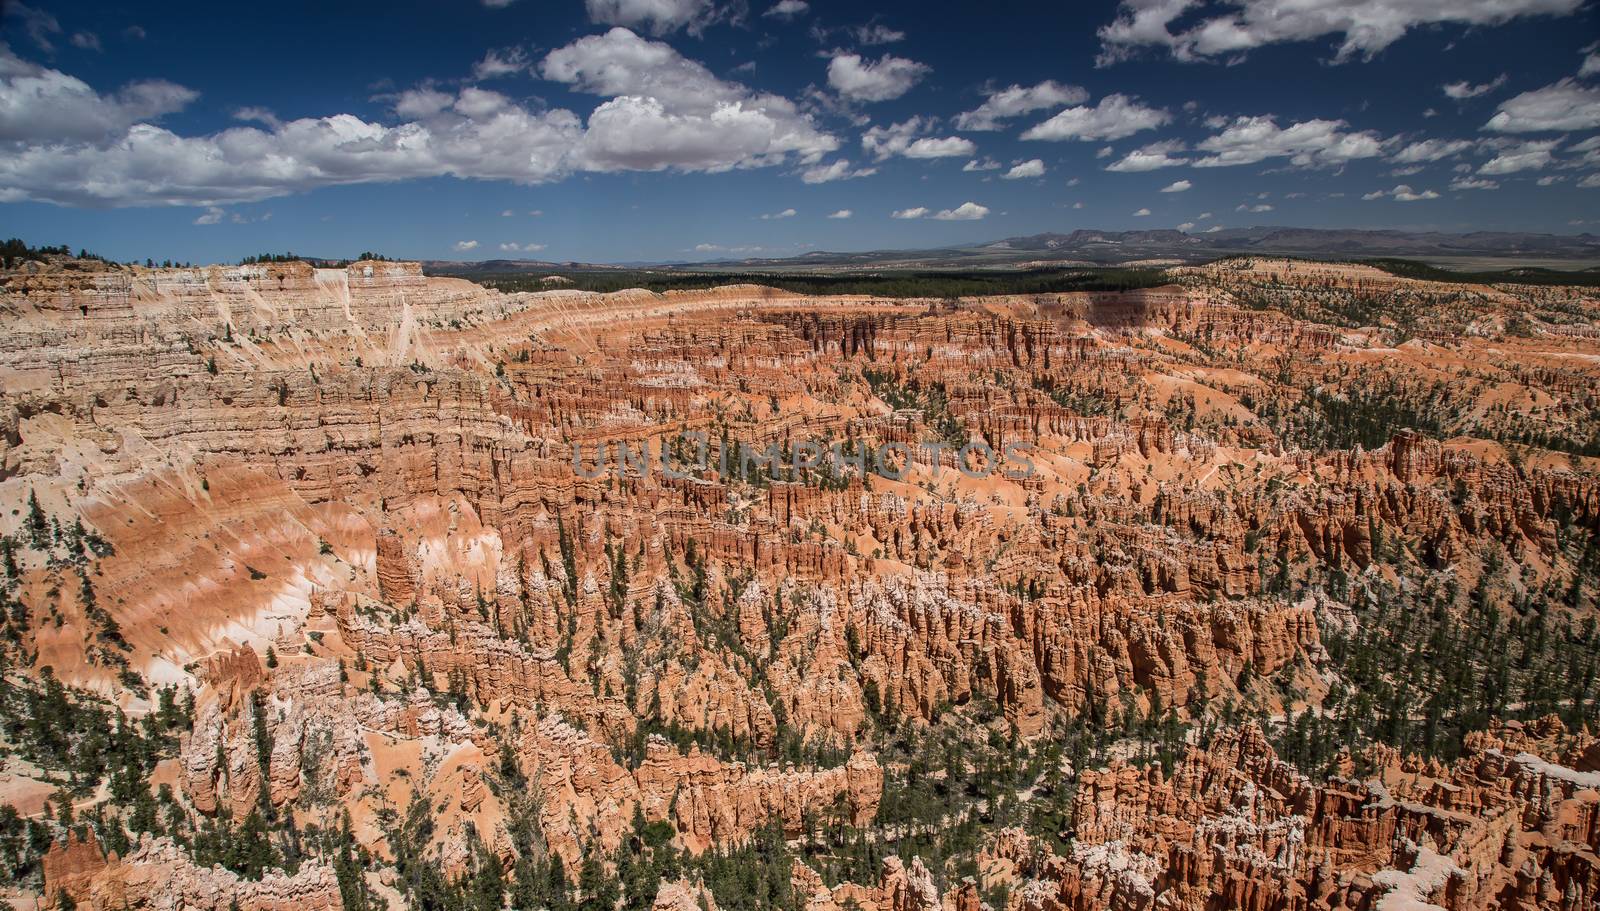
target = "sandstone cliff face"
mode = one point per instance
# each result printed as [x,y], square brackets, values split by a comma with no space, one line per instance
[371,472]
[158,876]
[1234,824]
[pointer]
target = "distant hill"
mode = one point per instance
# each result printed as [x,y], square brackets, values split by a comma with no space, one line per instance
[1479,250]
[1114,247]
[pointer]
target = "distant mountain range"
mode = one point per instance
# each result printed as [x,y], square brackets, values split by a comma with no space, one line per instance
[1479,249]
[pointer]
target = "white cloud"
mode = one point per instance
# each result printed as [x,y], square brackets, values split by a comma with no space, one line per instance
[1433,150]
[40,25]
[1202,216]
[839,169]
[525,248]
[1549,180]
[1565,105]
[1590,182]
[1591,63]
[671,112]
[1213,229]
[87,41]
[663,16]
[69,144]
[877,33]
[1313,143]
[882,80]
[498,4]
[787,9]
[982,164]
[1141,213]
[967,211]
[1151,157]
[1177,186]
[1401,193]
[1473,183]
[1018,100]
[213,216]
[258,115]
[771,216]
[38,104]
[1463,90]
[903,139]
[946,147]
[499,63]
[916,212]
[507,213]
[1115,117]
[1031,168]
[463,246]
[842,213]
[1186,226]
[1526,156]
[1258,207]
[1367,27]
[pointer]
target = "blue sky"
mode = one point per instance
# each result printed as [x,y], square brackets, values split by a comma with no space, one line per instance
[669,130]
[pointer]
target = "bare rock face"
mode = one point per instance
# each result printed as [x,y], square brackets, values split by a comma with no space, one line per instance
[159,876]
[684,896]
[380,527]
[1236,823]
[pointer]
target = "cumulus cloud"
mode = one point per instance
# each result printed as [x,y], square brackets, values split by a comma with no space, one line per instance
[967,211]
[770,216]
[1312,143]
[787,9]
[1473,183]
[839,169]
[660,16]
[905,139]
[1526,156]
[982,164]
[1018,100]
[1115,117]
[1401,193]
[62,141]
[497,64]
[1463,90]
[1149,158]
[212,216]
[916,212]
[1141,213]
[671,112]
[1258,207]
[842,213]
[1031,168]
[1590,182]
[1563,106]
[41,105]
[463,246]
[884,79]
[1177,186]
[1366,27]
[87,41]
[1433,150]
